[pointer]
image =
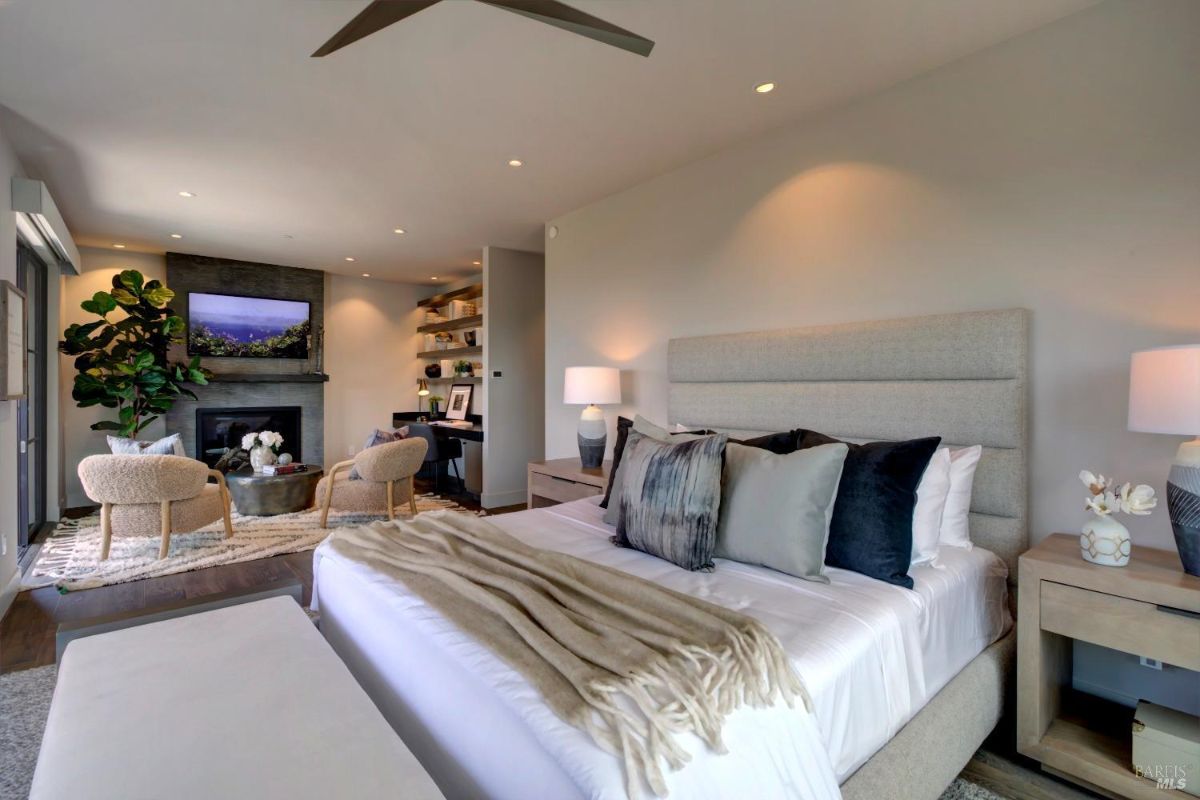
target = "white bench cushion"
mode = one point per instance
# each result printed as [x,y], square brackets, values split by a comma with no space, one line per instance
[242,702]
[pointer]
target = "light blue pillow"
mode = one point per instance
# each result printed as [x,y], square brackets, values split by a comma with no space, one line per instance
[167,446]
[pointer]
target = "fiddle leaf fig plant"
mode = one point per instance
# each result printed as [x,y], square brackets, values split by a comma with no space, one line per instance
[122,362]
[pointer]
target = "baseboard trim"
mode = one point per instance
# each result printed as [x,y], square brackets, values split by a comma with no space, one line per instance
[9,592]
[501,499]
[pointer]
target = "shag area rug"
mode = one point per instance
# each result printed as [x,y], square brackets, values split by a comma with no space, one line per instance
[70,557]
[25,703]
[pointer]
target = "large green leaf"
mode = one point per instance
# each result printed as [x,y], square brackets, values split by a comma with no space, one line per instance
[158,296]
[144,360]
[106,425]
[101,303]
[124,297]
[131,279]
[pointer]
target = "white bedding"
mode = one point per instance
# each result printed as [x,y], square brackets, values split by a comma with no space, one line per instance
[871,655]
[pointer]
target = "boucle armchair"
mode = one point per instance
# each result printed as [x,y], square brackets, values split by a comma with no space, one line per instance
[381,468]
[154,495]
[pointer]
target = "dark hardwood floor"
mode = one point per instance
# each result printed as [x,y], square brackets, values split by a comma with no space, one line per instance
[27,630]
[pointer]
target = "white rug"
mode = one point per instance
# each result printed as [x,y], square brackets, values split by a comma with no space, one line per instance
[70,557]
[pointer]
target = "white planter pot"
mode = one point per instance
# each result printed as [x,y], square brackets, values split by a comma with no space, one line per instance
[1106,542]
[261,456]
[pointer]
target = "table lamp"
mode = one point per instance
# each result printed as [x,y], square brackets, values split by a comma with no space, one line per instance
[592,387]
[1164,397]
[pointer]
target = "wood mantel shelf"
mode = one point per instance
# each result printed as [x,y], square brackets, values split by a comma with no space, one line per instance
[260,377]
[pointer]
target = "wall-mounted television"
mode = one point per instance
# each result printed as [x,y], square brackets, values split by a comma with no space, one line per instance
[247,327]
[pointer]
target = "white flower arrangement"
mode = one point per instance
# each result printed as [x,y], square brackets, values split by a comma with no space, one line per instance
[1108,498]
[269,439]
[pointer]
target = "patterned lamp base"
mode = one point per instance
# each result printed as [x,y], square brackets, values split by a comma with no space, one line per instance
[593,437]
[1183,504]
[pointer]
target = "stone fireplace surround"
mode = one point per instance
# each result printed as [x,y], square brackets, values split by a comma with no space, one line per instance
[252,382]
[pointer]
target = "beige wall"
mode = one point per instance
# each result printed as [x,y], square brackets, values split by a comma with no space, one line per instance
[1059,171]
[370,344]
[78,439]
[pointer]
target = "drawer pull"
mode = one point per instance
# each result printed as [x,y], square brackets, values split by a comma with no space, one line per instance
[1182,612]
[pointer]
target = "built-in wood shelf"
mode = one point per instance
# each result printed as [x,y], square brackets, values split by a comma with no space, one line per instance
[466,293]
[264,377]
[453,352]
[452,325]
[459,379]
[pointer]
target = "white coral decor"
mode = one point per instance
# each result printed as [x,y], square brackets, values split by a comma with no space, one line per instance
[1104,540]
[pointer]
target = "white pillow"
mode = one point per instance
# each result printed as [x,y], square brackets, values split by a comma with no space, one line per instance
[955,528]
[931,500]
[167,446]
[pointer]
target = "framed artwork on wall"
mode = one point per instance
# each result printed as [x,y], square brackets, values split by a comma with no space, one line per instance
[459,402]
[12,342]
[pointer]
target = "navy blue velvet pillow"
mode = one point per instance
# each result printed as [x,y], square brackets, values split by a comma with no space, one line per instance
[778,443]
[871,530]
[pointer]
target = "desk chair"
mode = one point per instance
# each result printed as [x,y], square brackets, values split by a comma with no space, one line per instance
[441,448]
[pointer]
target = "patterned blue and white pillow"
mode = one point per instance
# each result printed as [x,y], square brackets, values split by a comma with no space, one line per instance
[167,446]
[670,498]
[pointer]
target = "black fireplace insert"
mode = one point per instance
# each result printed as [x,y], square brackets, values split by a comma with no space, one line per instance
[218,429]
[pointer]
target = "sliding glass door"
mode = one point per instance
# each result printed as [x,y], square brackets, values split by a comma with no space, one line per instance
[32,276]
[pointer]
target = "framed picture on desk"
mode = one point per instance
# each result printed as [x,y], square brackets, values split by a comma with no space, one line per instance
[459,402]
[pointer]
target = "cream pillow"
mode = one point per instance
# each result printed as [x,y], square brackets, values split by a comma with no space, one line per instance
[167,446]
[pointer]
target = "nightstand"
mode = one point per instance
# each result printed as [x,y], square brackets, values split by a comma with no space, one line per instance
[1149,608]
[561,480]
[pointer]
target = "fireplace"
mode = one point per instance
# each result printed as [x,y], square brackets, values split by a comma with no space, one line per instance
[218,429]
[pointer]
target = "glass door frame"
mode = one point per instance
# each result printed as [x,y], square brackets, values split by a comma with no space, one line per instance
[32,416]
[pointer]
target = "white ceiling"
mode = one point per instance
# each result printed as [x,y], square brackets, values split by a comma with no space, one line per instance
[121,104]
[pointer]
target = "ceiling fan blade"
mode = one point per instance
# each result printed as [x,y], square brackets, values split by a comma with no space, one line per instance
[374,17]
[561,15]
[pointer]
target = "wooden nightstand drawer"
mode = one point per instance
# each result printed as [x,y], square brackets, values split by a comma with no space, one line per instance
[560,489]
[1120,623]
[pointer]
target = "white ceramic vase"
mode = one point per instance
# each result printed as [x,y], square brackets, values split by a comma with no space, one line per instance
[260,456]
[1106,542]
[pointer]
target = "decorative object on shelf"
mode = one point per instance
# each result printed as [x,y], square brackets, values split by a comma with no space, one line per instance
[1103,540]
[433,370]
[318,348]
[434,399]
[1164,397]
[470,338]
[123,364]
[463,369]
[592,387]
[284,459]
[12,342]
[444,340]
[460,401]
[263,446]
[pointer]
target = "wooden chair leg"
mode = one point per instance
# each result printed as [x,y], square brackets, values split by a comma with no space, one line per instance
[325,503]
[391,499]
[105,529]
[166,529]
[412,496]
[225,503]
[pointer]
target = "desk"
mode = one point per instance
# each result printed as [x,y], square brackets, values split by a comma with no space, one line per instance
[471,434]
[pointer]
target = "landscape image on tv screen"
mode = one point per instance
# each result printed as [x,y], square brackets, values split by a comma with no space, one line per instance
[255,327]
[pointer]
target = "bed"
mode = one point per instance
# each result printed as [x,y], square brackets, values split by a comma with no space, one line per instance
[905,684]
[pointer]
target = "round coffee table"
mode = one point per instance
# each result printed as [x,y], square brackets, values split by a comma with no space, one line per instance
[258,495]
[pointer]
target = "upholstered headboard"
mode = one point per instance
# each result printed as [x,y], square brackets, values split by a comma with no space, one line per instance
[963,377]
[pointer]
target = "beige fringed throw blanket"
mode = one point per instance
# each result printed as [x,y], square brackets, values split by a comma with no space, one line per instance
[625,660]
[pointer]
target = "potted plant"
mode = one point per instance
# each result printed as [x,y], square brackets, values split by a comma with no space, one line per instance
[122,363]
[434,399]
[463,368]
[263,448]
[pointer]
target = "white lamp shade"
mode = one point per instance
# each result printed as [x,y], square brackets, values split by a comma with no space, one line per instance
[592,386]
[1164,390]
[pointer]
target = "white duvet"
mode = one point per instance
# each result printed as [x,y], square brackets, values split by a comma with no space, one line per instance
[871,655]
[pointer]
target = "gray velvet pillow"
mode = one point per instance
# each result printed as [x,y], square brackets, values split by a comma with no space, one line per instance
[776,509]
[671,499]
[646,428]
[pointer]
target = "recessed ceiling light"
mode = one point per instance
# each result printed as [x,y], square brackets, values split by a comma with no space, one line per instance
[119,246]
[186,194]
[763,88]
[477,263]
[398,230]
[349,258]
[366,274]
[176,235]
[433,277]
[515,162]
